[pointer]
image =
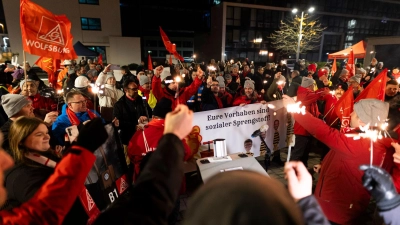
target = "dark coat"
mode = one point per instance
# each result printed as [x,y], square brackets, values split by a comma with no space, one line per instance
[128,112]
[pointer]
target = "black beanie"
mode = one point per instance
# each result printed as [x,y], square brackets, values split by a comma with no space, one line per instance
[163,107]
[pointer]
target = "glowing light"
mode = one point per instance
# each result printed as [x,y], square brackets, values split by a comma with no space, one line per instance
[183,75]
[263,52]
[60,91]
[178,79]
[295,10]
[257,40]
[295,108]
[271,106]
[211,68]
[265,81]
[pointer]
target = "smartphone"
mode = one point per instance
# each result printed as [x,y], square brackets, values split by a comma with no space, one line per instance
[115,67]
[72,133]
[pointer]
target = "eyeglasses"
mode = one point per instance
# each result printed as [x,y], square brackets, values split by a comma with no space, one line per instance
[80,102]
[214,85]
[133,89]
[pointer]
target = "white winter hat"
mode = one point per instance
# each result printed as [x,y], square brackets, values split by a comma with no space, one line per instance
[81,82]
[67,62]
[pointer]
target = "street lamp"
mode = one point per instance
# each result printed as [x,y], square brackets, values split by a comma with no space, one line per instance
[310,10]
[2,27]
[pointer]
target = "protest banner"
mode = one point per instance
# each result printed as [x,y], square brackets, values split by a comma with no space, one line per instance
[108,178]
[237,124]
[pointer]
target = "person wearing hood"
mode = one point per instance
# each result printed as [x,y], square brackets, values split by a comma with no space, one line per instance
[108,97]
[171,90]
[339,191]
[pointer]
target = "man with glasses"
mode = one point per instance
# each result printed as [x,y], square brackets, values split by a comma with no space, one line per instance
[130,111]
[74,112]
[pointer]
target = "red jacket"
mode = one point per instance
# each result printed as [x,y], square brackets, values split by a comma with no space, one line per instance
[50,204]
[309,99]
[153,133]
[242,98]
[329,112]
[339,190]
[42,105]
[184,93]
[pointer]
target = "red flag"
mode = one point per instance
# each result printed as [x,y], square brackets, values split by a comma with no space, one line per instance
[149,63]
[100,60]
[350,64]
[344,107]
[375,89]
[171,48]
[49,65]
[334,67]
[44,33]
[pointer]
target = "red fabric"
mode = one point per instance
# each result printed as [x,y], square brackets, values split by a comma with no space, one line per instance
[344,107]
[42,103]
[44,33]
[358,51]
[60,78]
[331,118]
[171,48]
[149,63]
[74,119]
[51,66]
[312,67]
[334,67]
[375,89]
[308,99]
[228,98]
[145,92]
[339,190]
[242,99]
[396,75]
[100,60]
[184,94]
[49,205]
[219,102]
[350,64]
[153,132]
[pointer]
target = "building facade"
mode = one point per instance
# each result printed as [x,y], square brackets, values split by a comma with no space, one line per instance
[243,26]
[95,23]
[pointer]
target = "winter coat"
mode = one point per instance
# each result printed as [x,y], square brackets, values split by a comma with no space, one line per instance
[339,190]
[128,113]
[184,93]
[42,105]
[62,122]
[110,96]
[209,101]
[54,199]
[309,100]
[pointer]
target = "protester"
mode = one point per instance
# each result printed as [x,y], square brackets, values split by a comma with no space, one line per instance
[50,205]
[247,95]
[392,90]
[338,191]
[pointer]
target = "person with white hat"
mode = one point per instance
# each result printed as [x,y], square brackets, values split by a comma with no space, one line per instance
[110,95]
[339,190]
[82,84]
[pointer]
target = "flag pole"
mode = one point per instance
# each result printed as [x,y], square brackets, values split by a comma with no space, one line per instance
[25,74]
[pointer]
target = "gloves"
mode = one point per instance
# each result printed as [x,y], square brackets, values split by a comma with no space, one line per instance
[92,135]
[379,183]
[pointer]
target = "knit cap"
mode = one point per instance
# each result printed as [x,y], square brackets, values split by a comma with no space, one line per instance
[220,79]
[355,78]
[109,75]
[249,84]
[13,103]
[312,67]
[307,82]
[144,80]
[372,111]
[22,82]
[228,77]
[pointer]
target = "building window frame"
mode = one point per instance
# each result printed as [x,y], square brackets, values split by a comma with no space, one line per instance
[88,26]
[89,2]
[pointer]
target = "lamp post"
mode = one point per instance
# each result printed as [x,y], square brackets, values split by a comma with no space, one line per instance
[310,10]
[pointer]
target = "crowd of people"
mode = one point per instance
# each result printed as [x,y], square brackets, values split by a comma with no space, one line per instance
[153,115]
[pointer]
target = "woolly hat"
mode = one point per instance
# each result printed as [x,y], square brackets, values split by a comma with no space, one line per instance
[307,82]
[144,80]
[221,84]
[372,111]
[81,82]
[312,67]
[228,77]
[162,107]
[22,82]
[220,79]
[13,103]
[355,78]
[109,75]
[344,71]
[249,84]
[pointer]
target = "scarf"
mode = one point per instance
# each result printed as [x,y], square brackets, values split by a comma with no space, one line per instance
[74,119]
[220,106]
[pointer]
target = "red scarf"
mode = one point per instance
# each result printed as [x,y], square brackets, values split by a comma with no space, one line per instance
[74,119]
[220,106]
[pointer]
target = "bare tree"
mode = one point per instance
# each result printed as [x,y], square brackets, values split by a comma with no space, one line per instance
[286,39]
